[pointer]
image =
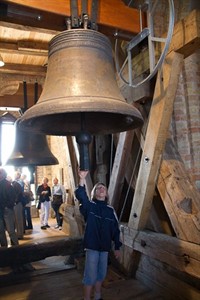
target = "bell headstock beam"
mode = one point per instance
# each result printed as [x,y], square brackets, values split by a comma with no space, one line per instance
[112,16]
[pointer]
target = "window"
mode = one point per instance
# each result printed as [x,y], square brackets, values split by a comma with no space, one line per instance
[7,146]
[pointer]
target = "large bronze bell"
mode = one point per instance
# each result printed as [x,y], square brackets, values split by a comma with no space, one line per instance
[30,149]
[80,91]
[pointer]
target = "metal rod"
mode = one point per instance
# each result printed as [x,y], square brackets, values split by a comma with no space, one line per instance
[36,92]
[25,96]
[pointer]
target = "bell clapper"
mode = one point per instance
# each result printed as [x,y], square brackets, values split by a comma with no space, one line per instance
[84,138]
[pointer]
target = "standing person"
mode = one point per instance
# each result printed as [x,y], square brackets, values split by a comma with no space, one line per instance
[101,229]
[27,208]
[7,216]
[59,197]
[44,193]
[19,207]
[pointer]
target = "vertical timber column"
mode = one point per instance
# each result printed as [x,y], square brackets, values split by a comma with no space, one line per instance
[157,131]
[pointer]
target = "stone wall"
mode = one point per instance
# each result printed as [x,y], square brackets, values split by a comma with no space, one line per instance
[59,148]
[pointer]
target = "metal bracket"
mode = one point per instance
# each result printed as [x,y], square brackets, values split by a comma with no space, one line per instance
[137,39]
[154,64]
[83,20]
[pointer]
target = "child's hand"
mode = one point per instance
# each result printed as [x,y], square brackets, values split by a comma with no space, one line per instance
[82,174]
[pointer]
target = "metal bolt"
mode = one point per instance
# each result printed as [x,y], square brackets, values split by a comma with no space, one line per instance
[143,243]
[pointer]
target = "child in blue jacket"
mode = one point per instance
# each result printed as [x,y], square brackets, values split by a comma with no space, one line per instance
[102,228]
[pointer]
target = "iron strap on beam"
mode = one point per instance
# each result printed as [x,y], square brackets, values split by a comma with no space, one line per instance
[94,13]
[74,13]
[84,7]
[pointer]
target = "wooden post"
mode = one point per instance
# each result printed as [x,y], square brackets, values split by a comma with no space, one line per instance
[160,116]
[119,167]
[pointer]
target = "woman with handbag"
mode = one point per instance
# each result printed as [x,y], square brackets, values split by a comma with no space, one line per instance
[44,193]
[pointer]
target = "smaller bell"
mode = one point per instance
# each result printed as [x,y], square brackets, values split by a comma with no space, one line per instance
[30,149]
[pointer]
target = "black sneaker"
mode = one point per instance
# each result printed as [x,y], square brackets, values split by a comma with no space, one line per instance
[43,227]
[47,226]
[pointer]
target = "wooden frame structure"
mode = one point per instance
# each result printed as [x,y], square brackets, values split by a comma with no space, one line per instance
[161,167]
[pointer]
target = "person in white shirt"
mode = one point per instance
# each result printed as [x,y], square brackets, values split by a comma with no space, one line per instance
[27,208]
[59,197]
[19,207]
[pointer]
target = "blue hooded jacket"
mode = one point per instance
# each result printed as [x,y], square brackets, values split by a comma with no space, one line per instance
[102,225]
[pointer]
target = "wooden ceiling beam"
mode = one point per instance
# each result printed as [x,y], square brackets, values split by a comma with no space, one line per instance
[24,48]
[23,69]
[111,13]
[8,24]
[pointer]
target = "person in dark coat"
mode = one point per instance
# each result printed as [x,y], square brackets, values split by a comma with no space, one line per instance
[102,229]
[7,216]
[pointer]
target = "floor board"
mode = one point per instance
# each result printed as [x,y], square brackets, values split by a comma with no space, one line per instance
[66,285]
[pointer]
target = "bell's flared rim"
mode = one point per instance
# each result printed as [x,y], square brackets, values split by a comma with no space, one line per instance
[52,117]
[23,161]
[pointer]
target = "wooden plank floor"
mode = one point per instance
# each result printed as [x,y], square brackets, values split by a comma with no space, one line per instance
[38,233]
[52,279]
[66,285]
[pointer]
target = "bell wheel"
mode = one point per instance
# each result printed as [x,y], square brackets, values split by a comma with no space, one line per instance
[138,60]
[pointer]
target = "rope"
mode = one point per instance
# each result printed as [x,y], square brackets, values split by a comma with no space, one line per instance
[130,182]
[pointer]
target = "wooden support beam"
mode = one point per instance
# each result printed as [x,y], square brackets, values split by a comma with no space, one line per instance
[186,35]
[160,116]
[180,196]
[111,13]
[181,255]
[168,282]
[27,253]
[119,167]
